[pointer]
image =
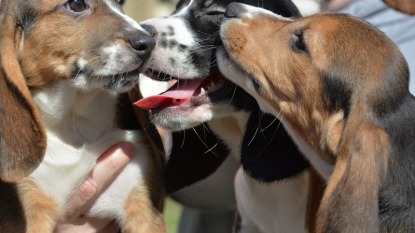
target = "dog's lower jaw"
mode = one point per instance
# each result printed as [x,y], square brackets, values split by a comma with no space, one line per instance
[178,118]
[233,72]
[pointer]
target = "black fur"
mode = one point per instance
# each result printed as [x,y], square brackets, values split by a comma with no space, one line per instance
[191,160]
[11,215]
[336,93]
[268,153]
[397,196]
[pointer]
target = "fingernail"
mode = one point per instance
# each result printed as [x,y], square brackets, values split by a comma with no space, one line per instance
[128,148]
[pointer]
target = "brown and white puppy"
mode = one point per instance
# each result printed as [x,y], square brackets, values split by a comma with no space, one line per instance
[340,88]
[64,64]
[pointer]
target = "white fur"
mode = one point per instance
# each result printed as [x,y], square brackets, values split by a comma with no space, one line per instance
[231,130]
[184,11]
[80,127]
[118,62]
[183,67]
[306,8]
[251,12]
[275,208]
[120,59]
[309,7]
[264,208]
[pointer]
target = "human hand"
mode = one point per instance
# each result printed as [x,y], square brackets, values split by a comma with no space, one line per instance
[109,165]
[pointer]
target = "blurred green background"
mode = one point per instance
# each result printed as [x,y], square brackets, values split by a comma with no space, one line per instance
[171,213]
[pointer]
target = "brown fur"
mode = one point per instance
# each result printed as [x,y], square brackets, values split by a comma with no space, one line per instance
[140,212]
[332,132]
[41,212]
[331,97]
[22,135]
[405,6]
[154,179]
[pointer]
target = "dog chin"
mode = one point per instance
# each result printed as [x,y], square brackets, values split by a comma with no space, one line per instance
[180,118]
[237,75]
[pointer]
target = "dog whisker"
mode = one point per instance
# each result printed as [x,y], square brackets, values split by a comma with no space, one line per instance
[203,142]
[213,147]
[231,97]
[184,137]
[270,124]
[256,131]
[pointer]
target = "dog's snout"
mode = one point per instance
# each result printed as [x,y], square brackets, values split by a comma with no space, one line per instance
[233,10]
[142,44]
[150,29]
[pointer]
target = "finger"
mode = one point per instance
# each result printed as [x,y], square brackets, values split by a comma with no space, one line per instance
[86,225]
[106,170]
[99,225]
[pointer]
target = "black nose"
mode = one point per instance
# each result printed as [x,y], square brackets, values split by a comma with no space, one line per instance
[233,10]
[150,29]
[143,44]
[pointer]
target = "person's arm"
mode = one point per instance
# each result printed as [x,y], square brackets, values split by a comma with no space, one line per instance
[109,165]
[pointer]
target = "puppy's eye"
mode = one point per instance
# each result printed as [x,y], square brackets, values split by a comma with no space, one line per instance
[211,16]
[297,41]
[121,2]
[215,16]
[77,5]
[212,13]
[300,43]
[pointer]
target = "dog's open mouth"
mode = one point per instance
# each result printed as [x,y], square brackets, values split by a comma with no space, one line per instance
[188,92]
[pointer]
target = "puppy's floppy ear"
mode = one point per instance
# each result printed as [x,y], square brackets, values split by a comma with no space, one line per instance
[268,153]
[22,134]
[196,154]
[350,203]
[405,6]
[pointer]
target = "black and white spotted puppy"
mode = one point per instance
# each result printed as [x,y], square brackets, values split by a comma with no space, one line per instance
[185,52]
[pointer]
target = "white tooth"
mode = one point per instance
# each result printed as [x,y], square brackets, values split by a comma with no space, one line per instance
[202,91]
[212,84]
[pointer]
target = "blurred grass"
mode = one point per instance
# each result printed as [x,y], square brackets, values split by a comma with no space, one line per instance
[172,211]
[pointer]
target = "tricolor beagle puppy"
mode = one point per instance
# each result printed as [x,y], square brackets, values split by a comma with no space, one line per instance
[212,118]
[64,64]
[340,88]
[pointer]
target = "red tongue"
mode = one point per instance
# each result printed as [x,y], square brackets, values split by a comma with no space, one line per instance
[178,94]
